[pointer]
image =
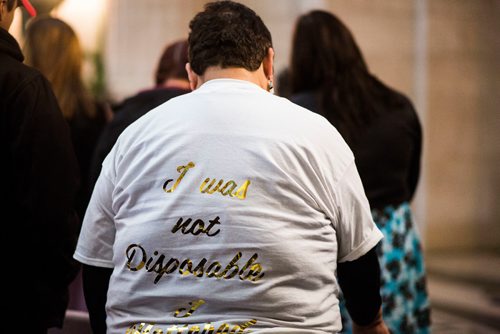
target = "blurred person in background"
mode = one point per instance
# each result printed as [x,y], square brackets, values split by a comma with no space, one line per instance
[53,48]
[166,249]
[40,181]
[328,75]
[282,87]
[171,80]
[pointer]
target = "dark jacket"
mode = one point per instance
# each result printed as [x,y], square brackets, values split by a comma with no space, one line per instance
[126,113]
[85,131]
[387,150]
[39,181]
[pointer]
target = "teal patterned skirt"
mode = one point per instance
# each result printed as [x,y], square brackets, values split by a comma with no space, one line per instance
[405,302]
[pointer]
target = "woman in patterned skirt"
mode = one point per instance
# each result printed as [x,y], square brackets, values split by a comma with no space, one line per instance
[329,76]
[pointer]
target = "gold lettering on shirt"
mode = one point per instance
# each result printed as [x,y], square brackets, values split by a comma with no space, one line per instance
[174,328]
[147,330]
[208,328]
[241,193]
[143,328]
[132,255]
[181,169]
[248,324]
[194,329]
[197,227]
[137,259]
[186,271]
[213,269]
[194,305]
[209,186]
[224,328]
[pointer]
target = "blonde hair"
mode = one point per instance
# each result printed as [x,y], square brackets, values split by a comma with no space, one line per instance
[53,48]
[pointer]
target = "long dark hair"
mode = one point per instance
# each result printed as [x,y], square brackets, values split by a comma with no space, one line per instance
[327,61]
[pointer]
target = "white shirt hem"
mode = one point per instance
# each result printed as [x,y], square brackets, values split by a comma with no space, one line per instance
[364,247]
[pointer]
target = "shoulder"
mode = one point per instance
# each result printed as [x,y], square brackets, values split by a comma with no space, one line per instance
[406,110]
[397,104]
[395,99]
[301,108]
[315,137]
[17,78]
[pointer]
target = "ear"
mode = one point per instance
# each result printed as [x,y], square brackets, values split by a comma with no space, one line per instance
[268,64]
[193,77]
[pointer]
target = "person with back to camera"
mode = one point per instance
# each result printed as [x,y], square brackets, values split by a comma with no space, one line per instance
[329,76]
[40,180]
[171,81]
[53,48]
[229,209]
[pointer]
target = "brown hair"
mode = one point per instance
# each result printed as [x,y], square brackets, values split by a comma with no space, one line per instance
[172,63]
[10,4]
[53,48]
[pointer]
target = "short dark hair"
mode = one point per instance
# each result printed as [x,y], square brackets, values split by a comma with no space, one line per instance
[172,63]
[227,34]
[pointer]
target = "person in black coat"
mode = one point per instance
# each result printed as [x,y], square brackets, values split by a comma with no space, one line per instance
[52,47]
[171,81]
[40,179]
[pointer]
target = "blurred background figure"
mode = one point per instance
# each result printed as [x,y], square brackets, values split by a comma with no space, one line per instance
[171,80]
[282,87]
[40,180]
[52,47]
[328,75]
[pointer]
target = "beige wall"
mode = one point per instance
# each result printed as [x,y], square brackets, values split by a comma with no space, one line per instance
[453,79]
[138,31]
[463,126]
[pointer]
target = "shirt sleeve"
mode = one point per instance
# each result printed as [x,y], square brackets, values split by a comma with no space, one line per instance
[95,244]
[356,231]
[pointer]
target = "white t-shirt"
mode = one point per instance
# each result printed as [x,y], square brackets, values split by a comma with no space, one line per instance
[226,210]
